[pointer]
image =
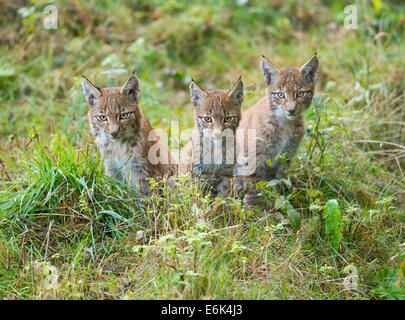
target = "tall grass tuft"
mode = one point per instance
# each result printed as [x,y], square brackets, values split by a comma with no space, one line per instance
[62,194]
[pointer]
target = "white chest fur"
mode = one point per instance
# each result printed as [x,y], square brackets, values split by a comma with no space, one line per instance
[123,162]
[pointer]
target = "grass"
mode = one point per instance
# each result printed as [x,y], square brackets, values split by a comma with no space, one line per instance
[67,231]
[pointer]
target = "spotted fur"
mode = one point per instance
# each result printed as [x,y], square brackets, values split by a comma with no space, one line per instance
[211,154]
[124,134]
[279,123]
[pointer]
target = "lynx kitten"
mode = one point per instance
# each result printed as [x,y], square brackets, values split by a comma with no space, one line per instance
[279,123]
[211,154]
[124,134]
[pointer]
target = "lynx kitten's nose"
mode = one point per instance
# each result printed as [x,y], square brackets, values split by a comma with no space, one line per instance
[114,134]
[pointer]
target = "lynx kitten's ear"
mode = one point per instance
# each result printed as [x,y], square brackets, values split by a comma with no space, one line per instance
[310,69]
[236,93]
[131,89]
[269,71]
[91,92]
[198,95]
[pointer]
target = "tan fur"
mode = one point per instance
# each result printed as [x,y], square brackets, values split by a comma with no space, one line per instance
[279,125]
[125,143]
[219,105]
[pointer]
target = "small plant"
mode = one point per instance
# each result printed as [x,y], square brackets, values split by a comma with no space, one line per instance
[333,224]
[280,202]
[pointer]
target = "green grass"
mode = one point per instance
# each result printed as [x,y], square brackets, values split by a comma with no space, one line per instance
[69,232]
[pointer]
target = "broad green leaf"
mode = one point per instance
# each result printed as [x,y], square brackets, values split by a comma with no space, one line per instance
[281,203]
[294,216]
[333,223]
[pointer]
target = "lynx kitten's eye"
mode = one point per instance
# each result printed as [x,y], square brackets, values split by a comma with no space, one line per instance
[227,119]
[208,119]
[102,117]
[280,95]
[124,115]
[300,94]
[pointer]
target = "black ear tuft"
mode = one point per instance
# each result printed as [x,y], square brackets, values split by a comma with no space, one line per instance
[269,71]
[91,92]
[198,95]
[236,93]
[310,69]
[131,89]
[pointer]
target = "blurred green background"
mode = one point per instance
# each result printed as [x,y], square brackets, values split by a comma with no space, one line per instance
[168,42]
[354,149]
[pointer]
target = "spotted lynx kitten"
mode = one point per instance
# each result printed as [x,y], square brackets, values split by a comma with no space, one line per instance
[210,154]
[278,120]
[124,134]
